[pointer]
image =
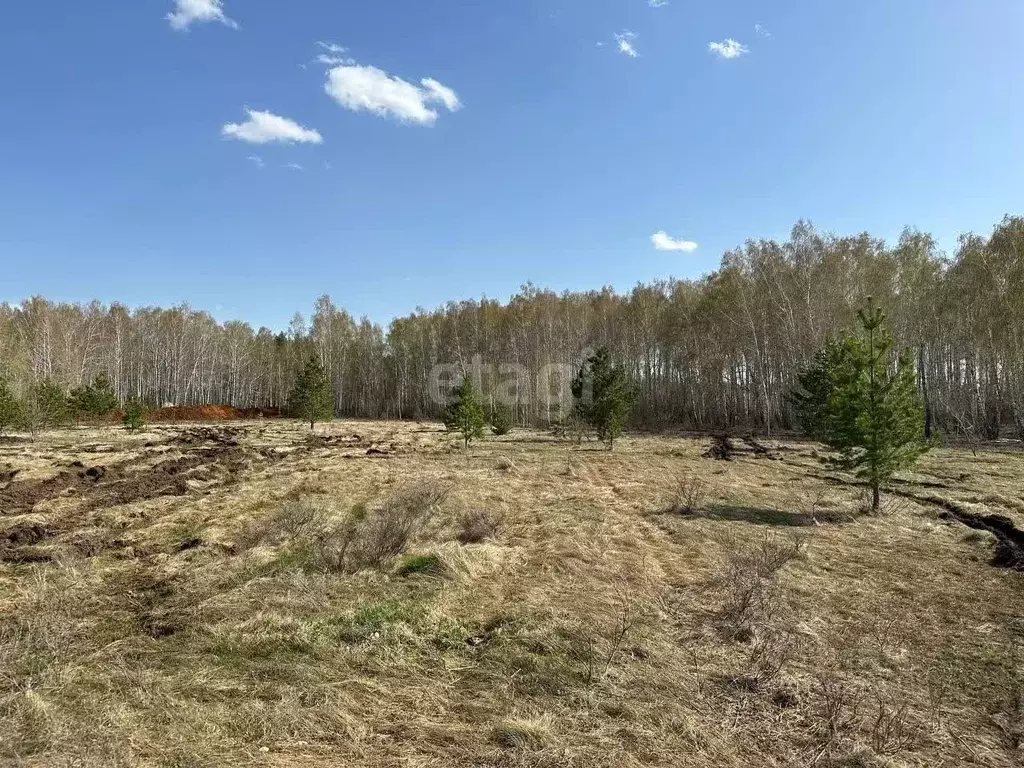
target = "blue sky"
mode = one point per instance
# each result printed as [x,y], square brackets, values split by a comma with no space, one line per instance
[466,148]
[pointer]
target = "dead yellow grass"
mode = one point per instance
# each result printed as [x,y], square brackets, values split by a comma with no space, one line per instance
[588,630]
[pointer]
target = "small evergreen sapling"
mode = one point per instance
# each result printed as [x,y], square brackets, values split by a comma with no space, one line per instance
[134,418]
[45,406]
[94,399]
[872,416]
[501,421]
[312,398]
[10,408]
[815,385]
[603,396]
[465,415]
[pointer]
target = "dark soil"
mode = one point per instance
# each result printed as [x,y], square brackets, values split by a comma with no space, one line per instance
[116,484]
[1009,551]
[724,448]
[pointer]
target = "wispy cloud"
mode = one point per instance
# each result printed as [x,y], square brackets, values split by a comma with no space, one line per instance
[331,47]
[188,12]
[657,3]
[663,242]
[334,61]
[256,160]
[625,42]
[294,167]
[333,56]
[369,89]
[442,93]
[761,31]
[728,49]
[266,127]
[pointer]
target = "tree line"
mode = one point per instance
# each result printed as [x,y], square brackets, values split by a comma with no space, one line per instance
[720,351]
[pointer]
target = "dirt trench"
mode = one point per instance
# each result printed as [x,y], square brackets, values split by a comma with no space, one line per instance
[1009,548]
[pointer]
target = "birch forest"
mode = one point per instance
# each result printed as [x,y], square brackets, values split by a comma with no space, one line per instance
[720,351]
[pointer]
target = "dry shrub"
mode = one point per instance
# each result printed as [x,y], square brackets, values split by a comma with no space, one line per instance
[815,503]
[773,648]
[753,597]
[839,701]
[894,730]
[890,504]
[1006,708]
[522,734]
[292,520]
[316,539]
[505,464]
[688,495]
[388,529]
[477,525]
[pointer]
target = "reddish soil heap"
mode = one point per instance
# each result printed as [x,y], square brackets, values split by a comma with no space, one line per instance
[208,413]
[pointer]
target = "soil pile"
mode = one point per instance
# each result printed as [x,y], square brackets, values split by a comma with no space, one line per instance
[209,413]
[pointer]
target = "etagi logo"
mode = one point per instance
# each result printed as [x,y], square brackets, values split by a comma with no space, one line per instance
[510,384]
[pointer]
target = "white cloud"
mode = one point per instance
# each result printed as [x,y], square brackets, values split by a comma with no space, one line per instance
[625,40]
[331,47]
[365,88]
[663,242]
[761,31]
[294,167]
[265,127]
[256,160]
[442,94]
[728,49]
[334,61]
[187,12]
[657,3]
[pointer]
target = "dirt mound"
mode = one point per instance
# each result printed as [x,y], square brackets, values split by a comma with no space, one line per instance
[197,413]
[116,484]
[722,448]
[220,435]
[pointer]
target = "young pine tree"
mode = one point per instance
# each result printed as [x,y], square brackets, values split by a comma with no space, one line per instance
[134,419]
[465,415]
[602,395]
[45,406]
[10,408]
[815,385]
[501,420]
[874,419]
[95,399]
[312,398]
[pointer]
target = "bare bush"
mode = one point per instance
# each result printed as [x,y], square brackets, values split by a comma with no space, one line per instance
[890,504]
[773,649]
[894,730]
[317,539]
[477,525]
[599,664]
[814,502]
[296,520]
[839,700]
[387,530]
[1006,710]
[689,494]
[752,593]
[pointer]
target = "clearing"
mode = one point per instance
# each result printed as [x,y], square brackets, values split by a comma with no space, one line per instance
[248,594]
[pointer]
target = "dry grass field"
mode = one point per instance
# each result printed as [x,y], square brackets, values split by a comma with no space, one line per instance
[244,594]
